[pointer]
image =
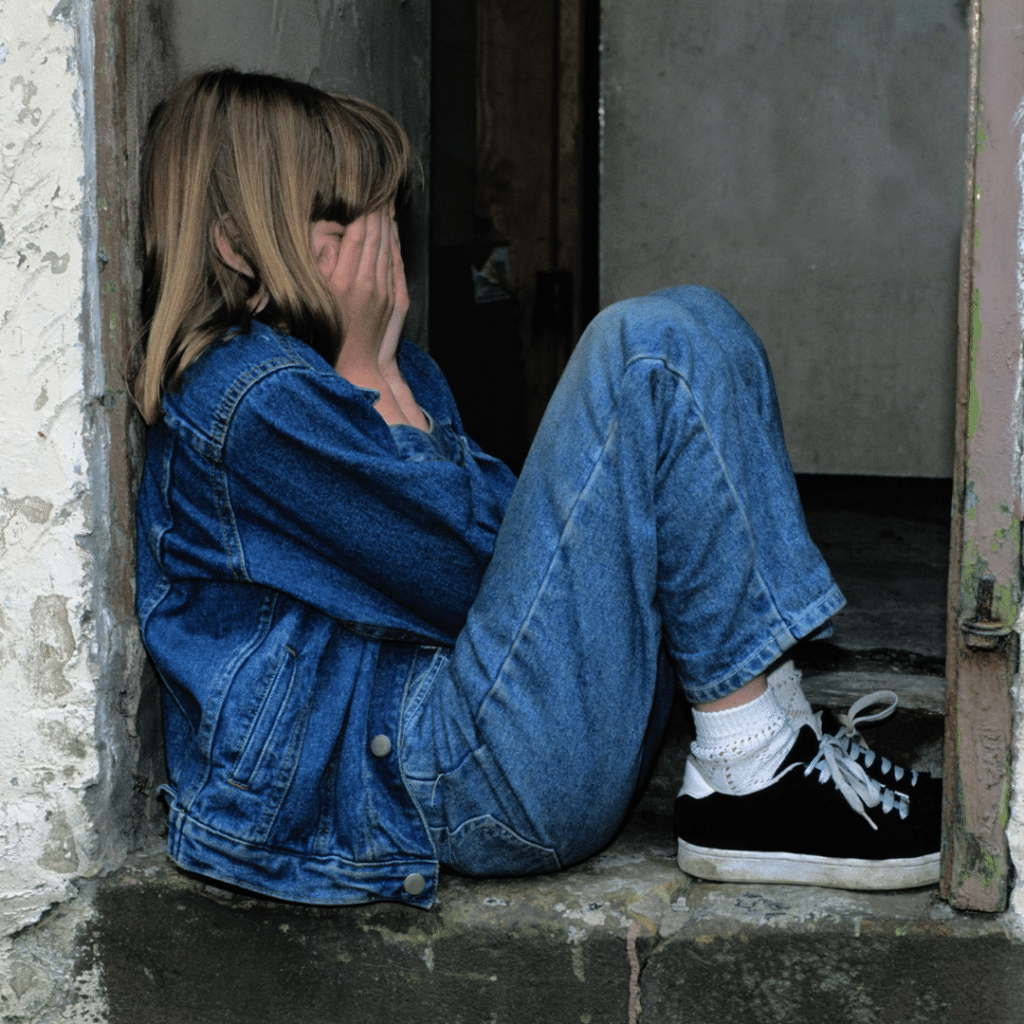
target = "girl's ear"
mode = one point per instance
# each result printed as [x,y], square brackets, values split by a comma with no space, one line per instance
[228,254]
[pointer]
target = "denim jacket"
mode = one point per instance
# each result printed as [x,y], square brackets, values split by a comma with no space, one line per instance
[299,561]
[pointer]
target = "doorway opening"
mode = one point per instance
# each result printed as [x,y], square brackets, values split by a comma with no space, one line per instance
[513,217]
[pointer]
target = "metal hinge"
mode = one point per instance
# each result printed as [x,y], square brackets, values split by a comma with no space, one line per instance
[983,632]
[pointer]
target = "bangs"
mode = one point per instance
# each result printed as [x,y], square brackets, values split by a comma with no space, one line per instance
[367,163]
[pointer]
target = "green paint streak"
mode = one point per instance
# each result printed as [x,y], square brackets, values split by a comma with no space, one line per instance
[973,401]
[420,937]
[971,501]
[1004,804]
[977,240]
[974,566]
[988,868]
[986,864]
[1006,535]
[1005,596]
[1004,604]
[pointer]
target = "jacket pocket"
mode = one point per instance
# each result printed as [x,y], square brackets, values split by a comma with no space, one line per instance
[271,727]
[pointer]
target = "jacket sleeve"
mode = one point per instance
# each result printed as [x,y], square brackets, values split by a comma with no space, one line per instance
[379,526]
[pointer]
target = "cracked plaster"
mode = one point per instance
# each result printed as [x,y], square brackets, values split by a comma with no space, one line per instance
[48,755]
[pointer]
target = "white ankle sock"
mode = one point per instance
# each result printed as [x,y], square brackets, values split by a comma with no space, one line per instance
[784,684]
[739,750]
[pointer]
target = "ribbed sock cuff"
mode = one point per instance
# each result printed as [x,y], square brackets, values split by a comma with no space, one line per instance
[739,750]
[784,683]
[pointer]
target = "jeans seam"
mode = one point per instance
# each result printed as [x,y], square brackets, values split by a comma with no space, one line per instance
[548,570]
[696,406]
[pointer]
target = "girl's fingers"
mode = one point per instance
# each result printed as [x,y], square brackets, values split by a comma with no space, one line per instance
[354,249]
[396,249]
[359,256]
[401,289]
[350,242]
[370,255]
[366,278]
[384,261]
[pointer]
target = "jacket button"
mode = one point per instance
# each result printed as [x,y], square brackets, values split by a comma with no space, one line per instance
[380,746]
[415,884]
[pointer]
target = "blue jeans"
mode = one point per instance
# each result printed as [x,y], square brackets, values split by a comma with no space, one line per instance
[655,536]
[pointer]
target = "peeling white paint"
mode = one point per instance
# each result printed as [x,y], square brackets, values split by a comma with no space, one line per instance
[578,966]
[38,974]
[90,1005]
[47,687]
[1015,826]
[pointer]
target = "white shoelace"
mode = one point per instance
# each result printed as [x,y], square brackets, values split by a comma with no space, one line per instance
[861,791]
[850,738]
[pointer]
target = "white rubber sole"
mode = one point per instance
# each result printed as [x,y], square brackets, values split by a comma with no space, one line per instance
[793,869]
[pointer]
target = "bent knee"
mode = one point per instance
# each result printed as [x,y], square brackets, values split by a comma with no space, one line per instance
[678,325]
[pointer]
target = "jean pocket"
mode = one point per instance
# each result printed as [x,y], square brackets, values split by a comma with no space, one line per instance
[484,846]
[270,726]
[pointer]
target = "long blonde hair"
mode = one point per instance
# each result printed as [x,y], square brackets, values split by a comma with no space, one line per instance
[260,158]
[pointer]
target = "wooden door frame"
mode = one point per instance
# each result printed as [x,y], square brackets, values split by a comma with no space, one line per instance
[985,565]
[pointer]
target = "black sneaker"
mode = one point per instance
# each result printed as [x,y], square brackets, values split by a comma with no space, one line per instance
[843,729]
[823,821]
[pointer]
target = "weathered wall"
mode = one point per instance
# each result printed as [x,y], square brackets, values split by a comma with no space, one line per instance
[77,771]
[805,159]
[377,49]
[48,622]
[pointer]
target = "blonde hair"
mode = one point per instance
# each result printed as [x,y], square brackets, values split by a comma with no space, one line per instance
[260,158]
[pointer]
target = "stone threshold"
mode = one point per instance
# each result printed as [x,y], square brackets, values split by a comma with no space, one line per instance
[623,937]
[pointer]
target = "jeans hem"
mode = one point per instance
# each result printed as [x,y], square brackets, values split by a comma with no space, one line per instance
[810,619]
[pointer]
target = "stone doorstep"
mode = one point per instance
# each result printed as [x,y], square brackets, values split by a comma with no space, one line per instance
[838,690]
[623,937]
[590,944]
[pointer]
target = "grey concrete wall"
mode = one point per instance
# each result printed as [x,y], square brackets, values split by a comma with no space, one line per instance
[377,49]
[806,160]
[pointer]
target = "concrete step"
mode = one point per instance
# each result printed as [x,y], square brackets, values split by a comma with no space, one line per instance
[625,937]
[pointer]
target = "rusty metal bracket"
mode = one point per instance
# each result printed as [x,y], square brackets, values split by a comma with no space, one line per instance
[983,632]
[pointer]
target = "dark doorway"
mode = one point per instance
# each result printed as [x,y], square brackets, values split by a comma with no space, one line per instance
[513,195]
